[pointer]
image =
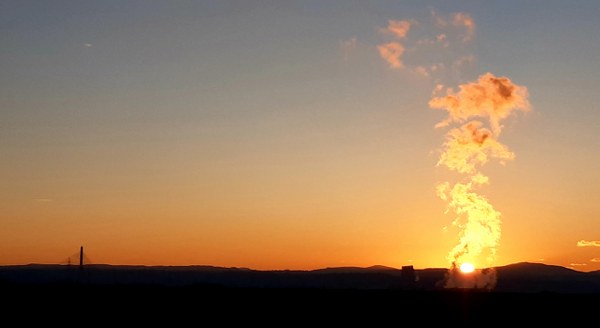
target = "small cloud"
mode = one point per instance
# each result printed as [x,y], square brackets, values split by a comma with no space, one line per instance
[464,19]
[347,47]
[577,264]
[398,28]
[588,243]
[460,20]
[440,38]
[437,67]
[438,88]
[43,200]
[425,41]
[465,61]
[392,53]
[541,260]
[595,259]
[439,20]
[87,45]
[422,71]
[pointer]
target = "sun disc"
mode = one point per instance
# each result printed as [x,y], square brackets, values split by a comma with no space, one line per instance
[467,267]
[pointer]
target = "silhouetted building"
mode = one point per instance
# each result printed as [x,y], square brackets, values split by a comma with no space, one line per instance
[408,275]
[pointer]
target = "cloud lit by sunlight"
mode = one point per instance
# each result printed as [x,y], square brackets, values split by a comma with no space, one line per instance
[392,53]
[464,19]
[588,243]
[465,150]
[492,97]
[398,28]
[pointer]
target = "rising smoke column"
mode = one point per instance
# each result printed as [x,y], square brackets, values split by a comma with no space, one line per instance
[467,148]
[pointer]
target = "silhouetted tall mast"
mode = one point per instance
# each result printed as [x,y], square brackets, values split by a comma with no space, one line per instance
[81,257]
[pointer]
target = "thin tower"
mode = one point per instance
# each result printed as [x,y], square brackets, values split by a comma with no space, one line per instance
[81,257]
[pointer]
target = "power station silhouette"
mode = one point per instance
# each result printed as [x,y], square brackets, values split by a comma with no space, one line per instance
[80,257]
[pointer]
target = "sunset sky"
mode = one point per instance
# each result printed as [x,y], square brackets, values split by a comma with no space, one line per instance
[288,135]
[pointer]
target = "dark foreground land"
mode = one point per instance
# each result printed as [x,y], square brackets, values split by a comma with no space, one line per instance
[205,306]
[530,293]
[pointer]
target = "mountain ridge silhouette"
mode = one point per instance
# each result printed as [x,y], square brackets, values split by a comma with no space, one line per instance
[516,277]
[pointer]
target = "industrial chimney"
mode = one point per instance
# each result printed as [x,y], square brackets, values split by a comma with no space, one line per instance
[81,257]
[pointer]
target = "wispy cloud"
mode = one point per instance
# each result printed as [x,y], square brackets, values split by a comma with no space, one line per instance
[439,20]
[437,90]
[463,61]
[392,53]
[397,28]
[426,72]
[422,71]
[465,20]
[595,259]
[347,47]
[588,243]
[432,49]
[460,20]
[87,45]
[577,264]
[439,39]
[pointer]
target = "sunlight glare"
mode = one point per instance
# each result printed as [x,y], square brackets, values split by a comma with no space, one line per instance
[467,267]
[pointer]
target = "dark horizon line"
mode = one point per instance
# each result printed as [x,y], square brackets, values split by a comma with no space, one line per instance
[372,267]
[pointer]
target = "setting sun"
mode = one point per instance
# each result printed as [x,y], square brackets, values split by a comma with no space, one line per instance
[467,267]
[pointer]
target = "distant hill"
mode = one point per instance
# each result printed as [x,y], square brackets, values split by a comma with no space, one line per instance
[519,277]
[536,269]
[537,277]
[374,268]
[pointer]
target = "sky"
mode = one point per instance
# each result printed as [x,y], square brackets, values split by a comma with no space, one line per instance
[289,135]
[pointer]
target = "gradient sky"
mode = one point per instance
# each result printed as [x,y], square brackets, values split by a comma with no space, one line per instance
[272,135]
